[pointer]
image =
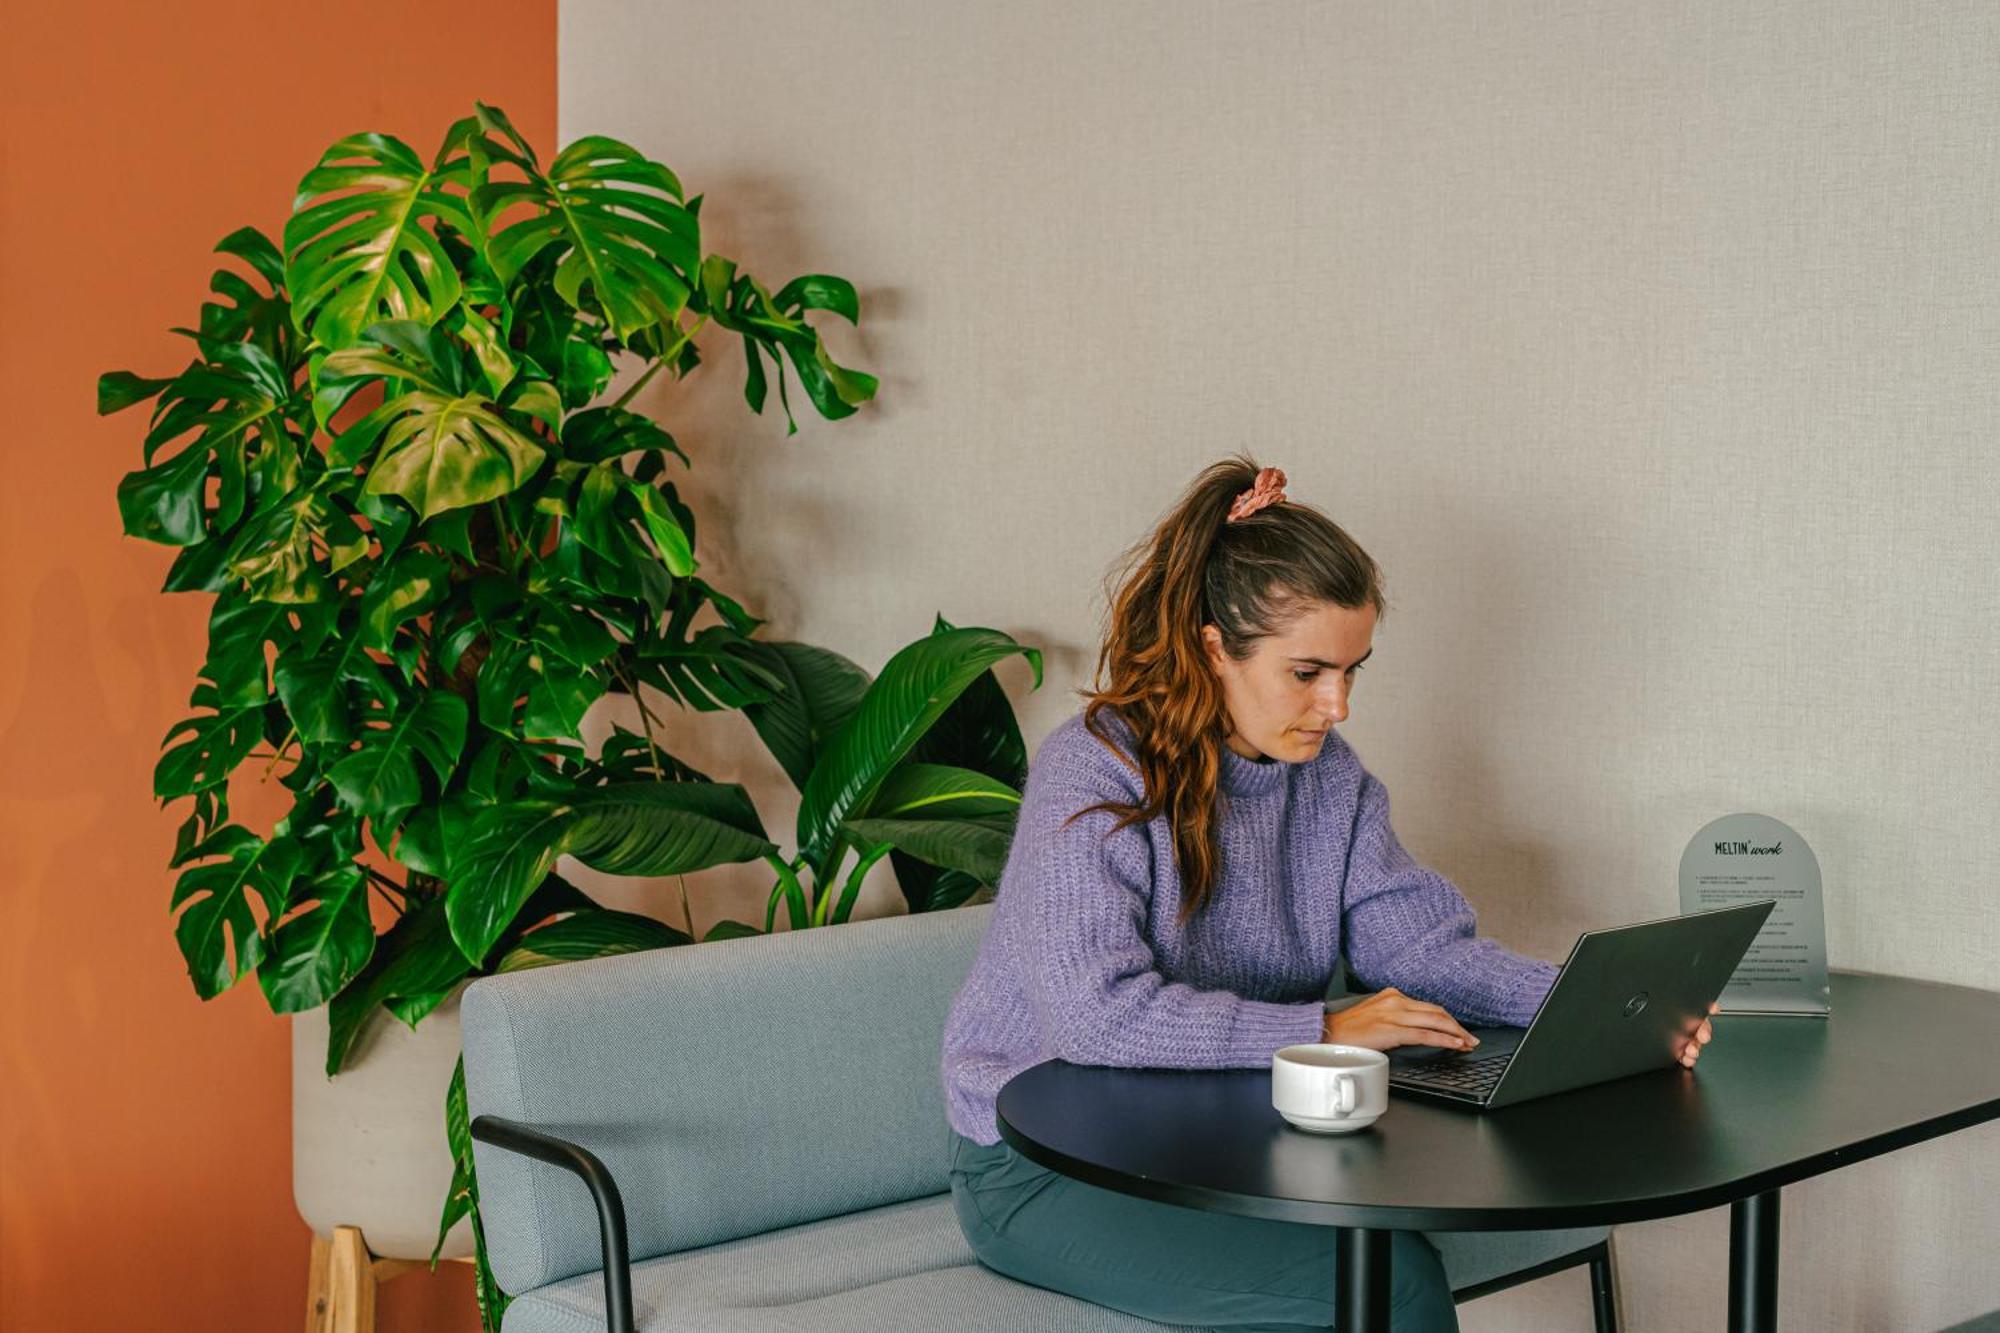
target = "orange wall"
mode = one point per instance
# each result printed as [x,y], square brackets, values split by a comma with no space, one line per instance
[145,1148]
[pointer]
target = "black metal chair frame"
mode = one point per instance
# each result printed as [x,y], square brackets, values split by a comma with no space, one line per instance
[1603,1282]
[514,1136]
[581,1162]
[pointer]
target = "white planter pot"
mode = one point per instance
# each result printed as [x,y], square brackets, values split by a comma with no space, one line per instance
[368,1146]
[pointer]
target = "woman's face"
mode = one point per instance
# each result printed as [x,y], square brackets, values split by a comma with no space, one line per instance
[1294,687]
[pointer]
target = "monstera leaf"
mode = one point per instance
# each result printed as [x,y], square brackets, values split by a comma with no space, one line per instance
[216,742]
[217,931]
[315,953]
[356,247]
[439,443]
[290,552]
[230,411]
[776,326]
[247,315]
[616,218]
[416,957]
[379,779]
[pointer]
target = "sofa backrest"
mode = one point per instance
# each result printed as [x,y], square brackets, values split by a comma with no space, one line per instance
[732,1088]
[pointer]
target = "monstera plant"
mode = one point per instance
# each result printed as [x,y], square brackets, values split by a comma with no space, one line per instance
[432,548]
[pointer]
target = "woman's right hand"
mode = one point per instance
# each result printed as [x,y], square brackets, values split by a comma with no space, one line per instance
[1390,1018]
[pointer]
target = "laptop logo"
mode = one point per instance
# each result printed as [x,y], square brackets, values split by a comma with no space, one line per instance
[1635,1004]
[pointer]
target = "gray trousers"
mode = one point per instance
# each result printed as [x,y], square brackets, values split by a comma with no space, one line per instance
[1171,1264]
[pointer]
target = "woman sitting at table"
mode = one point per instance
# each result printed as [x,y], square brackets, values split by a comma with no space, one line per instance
[1194,850]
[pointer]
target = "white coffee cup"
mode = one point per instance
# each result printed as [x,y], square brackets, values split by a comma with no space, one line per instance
[1329,1088]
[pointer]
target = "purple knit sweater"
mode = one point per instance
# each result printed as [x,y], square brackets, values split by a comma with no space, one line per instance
[1082,960]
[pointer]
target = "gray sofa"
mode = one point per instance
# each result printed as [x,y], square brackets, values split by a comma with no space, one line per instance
[767,1115]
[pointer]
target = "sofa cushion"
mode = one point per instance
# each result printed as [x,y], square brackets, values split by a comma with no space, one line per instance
[903,1266]
[731,1088]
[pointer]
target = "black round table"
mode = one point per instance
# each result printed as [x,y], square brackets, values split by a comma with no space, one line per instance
[1773,1099]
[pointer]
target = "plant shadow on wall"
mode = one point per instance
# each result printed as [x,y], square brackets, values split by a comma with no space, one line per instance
[431,550]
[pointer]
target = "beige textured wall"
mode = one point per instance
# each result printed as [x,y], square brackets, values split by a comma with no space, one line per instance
[1652,349]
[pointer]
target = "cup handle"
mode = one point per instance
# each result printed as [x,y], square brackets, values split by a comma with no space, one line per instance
[1343,1096]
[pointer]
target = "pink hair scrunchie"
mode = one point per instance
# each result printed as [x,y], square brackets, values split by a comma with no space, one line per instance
[1268,489]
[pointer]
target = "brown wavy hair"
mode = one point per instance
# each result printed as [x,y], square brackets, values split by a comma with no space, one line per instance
[1250,579]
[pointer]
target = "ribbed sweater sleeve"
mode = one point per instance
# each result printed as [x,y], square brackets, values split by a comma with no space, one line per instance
[1092,980]
[1407,926]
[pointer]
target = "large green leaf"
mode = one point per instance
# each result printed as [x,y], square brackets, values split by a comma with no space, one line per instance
[315,687]
[402,589]
[560,693]
[821,690]
[379,779]
[707,672]
[559,341]
[664,828]
[915,688]
[313,954]
[230,414]
[607,501]
[954,823]
[356,247]
[443,453]
[670,539]
[213,899]
[289,553]
[944,891]
[598,934]
[415,957]
[260,316]
[976,847]
[940,791]
[776,326]
[604,433]
[239,628]
[978,732]
[438,442]
[217,741]
[616,218]
[462,1200]
[163,503]
[435,825]
[119,389]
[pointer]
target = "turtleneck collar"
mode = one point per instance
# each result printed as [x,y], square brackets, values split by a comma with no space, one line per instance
[1251,777]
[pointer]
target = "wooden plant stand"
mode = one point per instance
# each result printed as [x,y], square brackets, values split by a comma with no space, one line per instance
[341,1283]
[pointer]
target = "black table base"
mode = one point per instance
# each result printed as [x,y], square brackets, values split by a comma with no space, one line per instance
[1753,1264]
[1361,1278]
[1362,1273]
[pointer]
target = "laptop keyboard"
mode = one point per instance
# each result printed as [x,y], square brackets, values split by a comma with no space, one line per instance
[1473,1074]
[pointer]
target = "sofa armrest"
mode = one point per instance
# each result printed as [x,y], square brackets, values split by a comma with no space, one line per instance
[581,1162]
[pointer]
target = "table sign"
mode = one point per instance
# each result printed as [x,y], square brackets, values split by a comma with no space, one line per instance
[1742,857]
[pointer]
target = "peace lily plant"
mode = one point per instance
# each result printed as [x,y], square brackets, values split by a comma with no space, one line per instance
[432,549]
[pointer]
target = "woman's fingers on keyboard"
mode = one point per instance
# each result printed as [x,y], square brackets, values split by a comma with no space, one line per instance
[1422,1015]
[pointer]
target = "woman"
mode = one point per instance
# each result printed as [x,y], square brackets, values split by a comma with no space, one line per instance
[1194,852]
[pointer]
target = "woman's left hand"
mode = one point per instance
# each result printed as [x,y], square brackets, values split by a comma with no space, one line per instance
[1702,1036]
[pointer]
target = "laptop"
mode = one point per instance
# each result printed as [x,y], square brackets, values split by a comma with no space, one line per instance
[1625,1002]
